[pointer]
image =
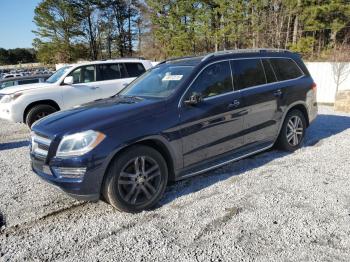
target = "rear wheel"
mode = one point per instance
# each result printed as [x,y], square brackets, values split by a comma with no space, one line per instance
[136,179]
[37,112]
[292,133]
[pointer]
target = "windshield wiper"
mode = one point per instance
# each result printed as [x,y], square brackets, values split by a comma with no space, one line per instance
[131,97]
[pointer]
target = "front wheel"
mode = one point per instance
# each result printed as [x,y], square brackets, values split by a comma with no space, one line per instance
[37,112]
[136,180]
[292,133]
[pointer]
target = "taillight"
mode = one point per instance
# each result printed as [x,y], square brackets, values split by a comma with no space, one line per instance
[314,86]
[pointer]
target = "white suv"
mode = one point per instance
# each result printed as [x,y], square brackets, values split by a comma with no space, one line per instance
[70,86]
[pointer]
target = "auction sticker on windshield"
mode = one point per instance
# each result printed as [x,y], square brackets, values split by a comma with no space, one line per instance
[172,77]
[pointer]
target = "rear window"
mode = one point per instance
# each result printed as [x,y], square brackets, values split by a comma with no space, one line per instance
[247,73]
[285,68]
[134,69]
[28,81]
[110,72]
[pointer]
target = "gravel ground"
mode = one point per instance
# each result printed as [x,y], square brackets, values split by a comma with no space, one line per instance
[270,207]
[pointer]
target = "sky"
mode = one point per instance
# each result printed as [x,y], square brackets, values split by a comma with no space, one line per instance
[16,23]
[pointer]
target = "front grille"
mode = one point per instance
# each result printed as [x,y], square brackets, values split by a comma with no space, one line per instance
[40,146]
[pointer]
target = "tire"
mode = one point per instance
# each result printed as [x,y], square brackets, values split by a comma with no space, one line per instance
[131,188]
[292,133]
[37,112]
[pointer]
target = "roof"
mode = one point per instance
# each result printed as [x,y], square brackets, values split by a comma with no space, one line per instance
[194,60]
[253,51]
[188,60]
[117,60]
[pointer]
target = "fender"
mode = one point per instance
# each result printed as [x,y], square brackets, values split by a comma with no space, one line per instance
[296,103]
[175,163]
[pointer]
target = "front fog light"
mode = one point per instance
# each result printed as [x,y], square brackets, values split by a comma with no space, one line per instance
[69,172]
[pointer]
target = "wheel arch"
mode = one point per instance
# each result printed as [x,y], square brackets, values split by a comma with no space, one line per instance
[40,102]
[303,109]
[299,105]
[154,142]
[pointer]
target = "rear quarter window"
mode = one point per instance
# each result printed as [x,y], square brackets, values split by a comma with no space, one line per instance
[285,68]
[135,69]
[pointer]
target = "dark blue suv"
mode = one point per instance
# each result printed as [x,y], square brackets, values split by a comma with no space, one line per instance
[181,118]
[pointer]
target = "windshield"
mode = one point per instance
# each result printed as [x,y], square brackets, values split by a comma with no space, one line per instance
[57,75]
[158,82]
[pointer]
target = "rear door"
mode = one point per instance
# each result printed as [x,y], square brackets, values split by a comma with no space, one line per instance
[211,127]
[260,98]
[113,77]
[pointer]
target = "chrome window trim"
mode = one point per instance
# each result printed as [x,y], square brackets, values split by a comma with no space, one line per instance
[220,95]
[248,88]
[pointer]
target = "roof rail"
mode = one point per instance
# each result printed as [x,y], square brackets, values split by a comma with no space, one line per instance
[128,57]
[237,51]
[177,58]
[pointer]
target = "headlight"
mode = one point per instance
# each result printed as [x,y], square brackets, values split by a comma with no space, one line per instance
[10,98]
[80,143]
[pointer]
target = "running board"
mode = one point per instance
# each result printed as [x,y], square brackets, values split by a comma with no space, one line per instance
[201,171]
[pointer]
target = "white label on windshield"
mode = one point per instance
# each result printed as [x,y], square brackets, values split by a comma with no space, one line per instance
[172,77]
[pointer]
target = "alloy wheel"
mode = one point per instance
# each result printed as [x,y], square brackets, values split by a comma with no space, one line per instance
[139,180]
[295,130]
[40,115]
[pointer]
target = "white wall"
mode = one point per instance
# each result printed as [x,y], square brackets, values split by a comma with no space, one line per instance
[322,73]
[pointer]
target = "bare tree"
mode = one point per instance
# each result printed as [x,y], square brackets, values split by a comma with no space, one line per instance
[341,65]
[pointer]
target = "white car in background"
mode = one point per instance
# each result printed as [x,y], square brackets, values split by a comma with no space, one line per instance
[70,86]
[11,75]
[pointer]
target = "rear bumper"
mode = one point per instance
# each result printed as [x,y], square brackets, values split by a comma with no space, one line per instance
[312,107]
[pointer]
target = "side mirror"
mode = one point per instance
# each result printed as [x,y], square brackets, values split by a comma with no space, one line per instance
[68,80]
[194,99]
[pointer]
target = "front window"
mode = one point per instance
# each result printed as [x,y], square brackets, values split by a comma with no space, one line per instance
[158,82]
[84,74]
[215,80]
[57,75]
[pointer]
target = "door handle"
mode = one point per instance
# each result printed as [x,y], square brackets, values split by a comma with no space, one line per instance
[277,92]
[235,103]
[94,87]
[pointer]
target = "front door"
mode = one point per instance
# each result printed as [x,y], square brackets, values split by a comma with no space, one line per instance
[213,126]
[84,88]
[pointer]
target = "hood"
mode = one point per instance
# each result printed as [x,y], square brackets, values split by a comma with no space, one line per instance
[20,88]
[99,115]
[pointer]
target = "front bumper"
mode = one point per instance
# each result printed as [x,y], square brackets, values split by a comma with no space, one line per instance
[7,112]
[86,187]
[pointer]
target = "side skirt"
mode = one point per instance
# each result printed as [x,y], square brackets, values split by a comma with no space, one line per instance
[236,157]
